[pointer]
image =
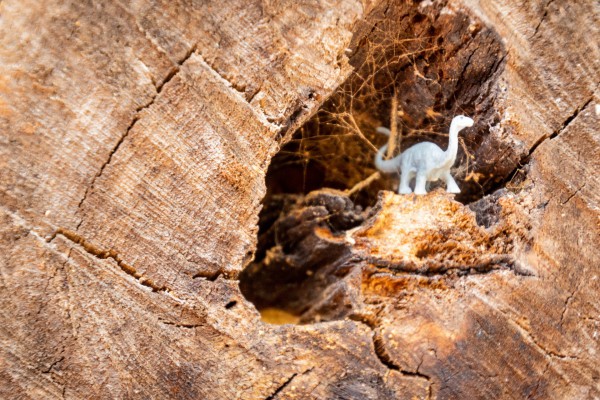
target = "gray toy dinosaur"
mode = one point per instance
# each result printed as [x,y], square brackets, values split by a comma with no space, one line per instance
[425,161]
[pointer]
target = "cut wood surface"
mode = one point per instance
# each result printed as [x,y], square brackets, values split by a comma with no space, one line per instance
[134,142]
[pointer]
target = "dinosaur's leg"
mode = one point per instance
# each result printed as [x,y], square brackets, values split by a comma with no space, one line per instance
[404,187]
[451,186]
[420,184]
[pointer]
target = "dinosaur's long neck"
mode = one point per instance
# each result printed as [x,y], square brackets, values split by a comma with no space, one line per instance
[452,145]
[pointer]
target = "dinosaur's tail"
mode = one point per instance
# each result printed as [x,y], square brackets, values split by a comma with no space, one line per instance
[387,166]
[383,130]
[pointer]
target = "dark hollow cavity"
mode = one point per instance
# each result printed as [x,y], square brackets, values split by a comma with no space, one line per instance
[440,65]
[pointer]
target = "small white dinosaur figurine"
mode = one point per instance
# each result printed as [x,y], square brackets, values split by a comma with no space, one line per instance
[424,160]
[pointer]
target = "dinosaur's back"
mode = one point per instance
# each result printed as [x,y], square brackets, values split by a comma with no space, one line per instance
[422,156]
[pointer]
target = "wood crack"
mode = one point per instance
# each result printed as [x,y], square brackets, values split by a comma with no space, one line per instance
[526,334]
[103,254]
[548,353]
[570,119]
[136,117]
[487,265]
[281,387]
[110,156]
[213,276]
[49,369]
[386,359]
[535,32]
[208,275]
[227,82]
[141,29]
[240,92]
[561,128]
[175,70]
[384,356]
[573,194]
[526,158]
[186,326]
[467,64]
[569,300]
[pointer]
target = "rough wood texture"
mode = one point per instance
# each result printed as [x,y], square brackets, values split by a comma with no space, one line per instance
[134,142]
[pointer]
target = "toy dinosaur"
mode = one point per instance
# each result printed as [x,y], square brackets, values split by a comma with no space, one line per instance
[425,161]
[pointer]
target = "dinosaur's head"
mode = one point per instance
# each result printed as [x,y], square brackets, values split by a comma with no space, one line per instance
[461,121]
